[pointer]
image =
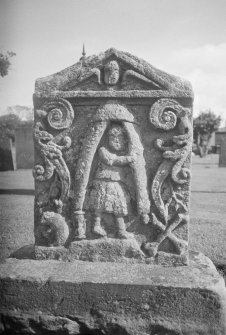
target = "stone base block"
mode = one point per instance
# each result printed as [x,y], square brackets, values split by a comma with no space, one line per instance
[55,297]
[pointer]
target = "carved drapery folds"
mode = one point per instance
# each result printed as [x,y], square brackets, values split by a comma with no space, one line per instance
[58,115]
[172,210]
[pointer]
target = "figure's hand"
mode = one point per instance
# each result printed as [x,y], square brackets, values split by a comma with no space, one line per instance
[133,157]
[145,218]
[130,159]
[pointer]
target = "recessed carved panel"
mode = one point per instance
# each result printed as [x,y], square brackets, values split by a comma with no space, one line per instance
[113,176]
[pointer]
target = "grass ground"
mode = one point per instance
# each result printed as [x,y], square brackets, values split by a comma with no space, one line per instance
[16,227]
[208,210]
[20,179]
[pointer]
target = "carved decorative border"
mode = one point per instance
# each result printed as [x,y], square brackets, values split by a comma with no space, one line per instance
[166,114]
[58,115]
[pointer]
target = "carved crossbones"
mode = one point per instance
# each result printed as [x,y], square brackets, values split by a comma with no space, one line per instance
[166,231]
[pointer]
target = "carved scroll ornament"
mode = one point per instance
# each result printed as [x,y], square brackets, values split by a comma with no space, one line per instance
[172,210]
[59,115]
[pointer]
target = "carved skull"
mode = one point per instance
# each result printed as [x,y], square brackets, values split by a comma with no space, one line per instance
[111,73]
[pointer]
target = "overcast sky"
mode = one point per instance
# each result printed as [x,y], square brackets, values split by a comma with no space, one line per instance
[186,38]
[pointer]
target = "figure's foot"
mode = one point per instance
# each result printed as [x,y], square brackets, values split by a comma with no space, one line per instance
[152,248]
[145,218]
[98,230]
[123,234]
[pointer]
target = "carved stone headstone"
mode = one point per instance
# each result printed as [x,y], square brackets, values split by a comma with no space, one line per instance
[24,148]
[113,142]
[113,139]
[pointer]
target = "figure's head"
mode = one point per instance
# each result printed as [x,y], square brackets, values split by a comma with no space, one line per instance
[117,138]
[111,73]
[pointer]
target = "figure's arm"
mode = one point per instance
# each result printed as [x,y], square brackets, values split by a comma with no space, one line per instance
[113,159]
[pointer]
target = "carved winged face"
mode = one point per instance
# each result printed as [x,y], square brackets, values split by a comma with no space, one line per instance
[117,139]
[111,73]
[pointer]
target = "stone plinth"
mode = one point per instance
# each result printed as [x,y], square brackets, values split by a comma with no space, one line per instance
[111,298]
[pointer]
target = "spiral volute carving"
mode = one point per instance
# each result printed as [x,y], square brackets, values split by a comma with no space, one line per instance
[60,113]
[164,112]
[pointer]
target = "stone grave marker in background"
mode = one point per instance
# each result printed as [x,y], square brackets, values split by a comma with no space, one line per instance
[222,157]
[6,154]
[113,139]
[24,148]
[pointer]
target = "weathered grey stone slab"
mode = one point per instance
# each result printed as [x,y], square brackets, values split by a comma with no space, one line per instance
[112,298]
[113,139]
[222,157]
[24,148]
[6,156]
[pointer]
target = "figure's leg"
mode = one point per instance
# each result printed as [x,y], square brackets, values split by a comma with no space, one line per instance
[97,229]
[122,233]
[80,223]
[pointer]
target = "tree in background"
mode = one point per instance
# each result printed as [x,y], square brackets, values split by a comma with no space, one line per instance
[5,62]
[8,124]
[204,126]
[25,113]
[17,116]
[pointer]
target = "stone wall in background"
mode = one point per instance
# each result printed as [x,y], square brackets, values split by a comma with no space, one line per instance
[24,148]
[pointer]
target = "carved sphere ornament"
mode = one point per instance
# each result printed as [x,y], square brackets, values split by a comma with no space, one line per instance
[60,113]
[164,112]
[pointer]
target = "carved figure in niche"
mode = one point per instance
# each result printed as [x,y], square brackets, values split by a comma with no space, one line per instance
[111,73]
[109,193]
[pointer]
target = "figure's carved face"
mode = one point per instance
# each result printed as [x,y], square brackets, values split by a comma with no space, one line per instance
[117,140]
[111,73]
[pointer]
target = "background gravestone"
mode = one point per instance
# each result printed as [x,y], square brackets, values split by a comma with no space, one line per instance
[6,155]
[24,148]
[219,137]
[222,158]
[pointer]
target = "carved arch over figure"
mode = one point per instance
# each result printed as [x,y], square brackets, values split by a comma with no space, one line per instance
[111,111]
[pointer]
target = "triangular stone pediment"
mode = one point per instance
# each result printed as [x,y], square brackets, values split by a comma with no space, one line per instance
[113,74]
[112,70]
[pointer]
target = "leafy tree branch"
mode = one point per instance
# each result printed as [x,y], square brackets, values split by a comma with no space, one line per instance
[5,62]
